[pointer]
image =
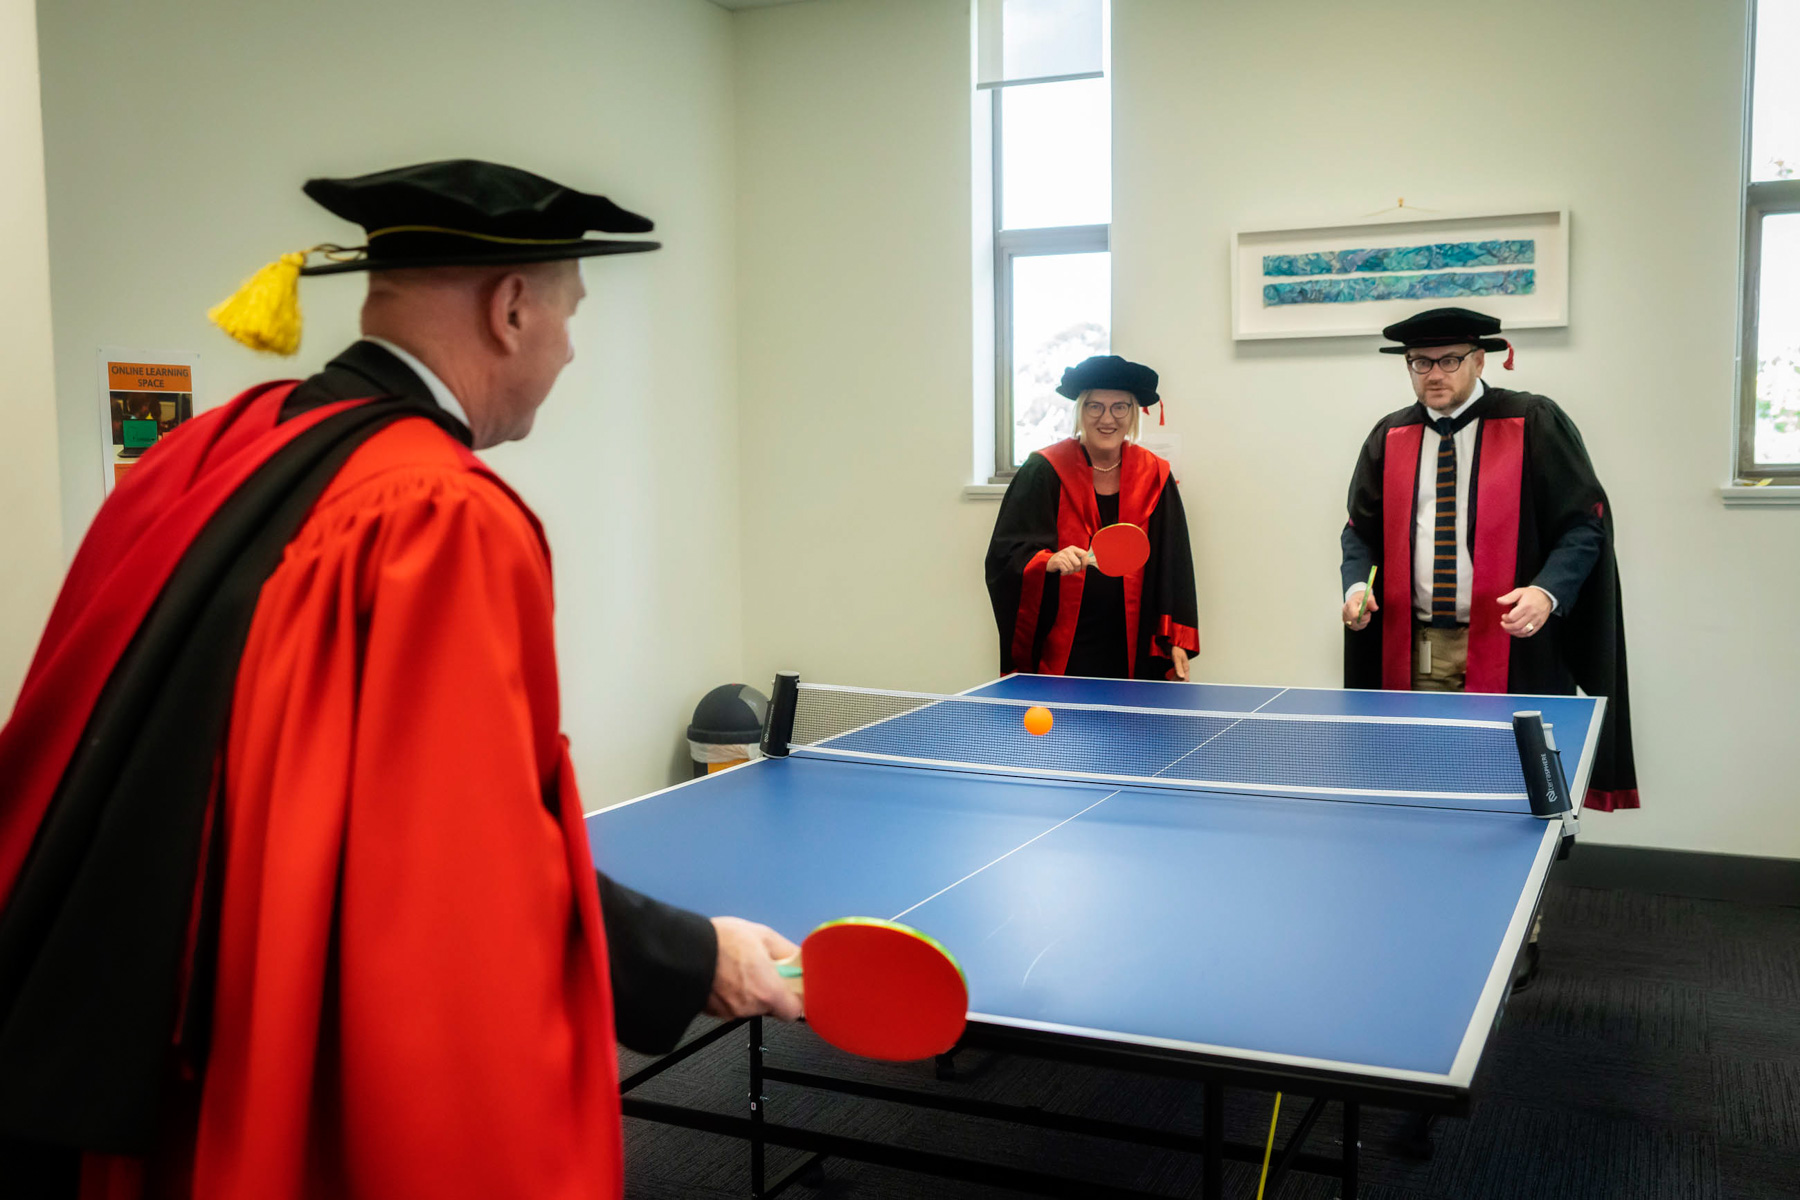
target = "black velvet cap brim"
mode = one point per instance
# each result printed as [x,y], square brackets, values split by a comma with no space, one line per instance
[513,256]
[1495,344]
[1150,401]
[1111,372]
[1144,399]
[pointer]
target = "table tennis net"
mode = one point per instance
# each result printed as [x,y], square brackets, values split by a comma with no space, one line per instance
[1432,762]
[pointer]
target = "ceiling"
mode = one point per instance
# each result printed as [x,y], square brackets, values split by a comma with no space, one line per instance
[737,4]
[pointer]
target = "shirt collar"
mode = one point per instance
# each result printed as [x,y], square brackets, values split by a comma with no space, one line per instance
[1459,410]
[440,391]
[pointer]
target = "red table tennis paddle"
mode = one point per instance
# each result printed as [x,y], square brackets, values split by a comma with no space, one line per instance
[880,989]
[1120,549]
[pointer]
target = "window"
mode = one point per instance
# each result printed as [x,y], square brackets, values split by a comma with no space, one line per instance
[1043,88]
[1769,400]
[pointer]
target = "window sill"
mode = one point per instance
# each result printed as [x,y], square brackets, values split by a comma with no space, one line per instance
[993,491]
[1772,495]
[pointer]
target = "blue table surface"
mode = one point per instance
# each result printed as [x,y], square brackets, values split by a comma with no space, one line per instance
[1350,932]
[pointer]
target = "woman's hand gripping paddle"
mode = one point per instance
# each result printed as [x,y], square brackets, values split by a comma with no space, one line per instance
[880,989]
[1120,549]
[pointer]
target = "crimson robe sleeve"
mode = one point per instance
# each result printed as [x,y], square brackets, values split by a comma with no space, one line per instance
[411,992]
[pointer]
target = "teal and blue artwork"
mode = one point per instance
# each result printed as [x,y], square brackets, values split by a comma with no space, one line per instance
[1437,256]
[1358,288]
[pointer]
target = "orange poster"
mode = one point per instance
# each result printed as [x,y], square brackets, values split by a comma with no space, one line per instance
[146,396]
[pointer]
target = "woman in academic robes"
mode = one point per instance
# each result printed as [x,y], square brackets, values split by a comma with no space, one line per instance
[1056,612]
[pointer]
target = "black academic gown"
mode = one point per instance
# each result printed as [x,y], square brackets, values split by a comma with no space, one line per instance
[1089,623]
[1537,515]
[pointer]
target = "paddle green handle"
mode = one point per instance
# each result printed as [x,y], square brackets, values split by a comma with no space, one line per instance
[1368,590]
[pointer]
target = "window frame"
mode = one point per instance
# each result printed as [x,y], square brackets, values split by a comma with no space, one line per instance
[1773,197]
[1010,244]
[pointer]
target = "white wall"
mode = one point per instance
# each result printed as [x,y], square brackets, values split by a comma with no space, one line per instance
[1629,115]
[853,227]
[178,135]
[31,534]
[802,350]
[862,562]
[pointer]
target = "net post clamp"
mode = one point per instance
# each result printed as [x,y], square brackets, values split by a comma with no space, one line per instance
[1545,784]
[780,729]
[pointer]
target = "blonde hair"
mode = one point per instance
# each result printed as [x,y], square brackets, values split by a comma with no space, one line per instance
[1137,414]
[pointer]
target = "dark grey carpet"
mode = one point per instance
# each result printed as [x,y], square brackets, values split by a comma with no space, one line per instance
[1658,1056]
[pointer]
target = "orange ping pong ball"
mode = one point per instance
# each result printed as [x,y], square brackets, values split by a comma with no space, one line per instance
[1037,721]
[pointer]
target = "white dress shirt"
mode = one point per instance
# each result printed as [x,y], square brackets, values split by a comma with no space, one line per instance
[439,390]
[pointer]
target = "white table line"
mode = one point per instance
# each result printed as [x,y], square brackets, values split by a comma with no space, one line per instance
[1083,812]
[1007,855]
[1215,737]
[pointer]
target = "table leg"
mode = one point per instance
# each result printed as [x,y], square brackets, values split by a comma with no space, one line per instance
[1352,1134]
[1212,1179]
[757,1101]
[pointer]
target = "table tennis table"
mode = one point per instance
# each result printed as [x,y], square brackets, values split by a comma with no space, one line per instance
[1316,891]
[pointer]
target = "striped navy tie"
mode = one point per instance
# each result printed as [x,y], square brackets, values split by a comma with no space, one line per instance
[1443,556]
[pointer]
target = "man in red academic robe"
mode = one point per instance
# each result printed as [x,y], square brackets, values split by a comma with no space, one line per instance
[295,898]
[1494,543]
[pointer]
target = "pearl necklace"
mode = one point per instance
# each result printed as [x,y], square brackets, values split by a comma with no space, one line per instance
[1102,469]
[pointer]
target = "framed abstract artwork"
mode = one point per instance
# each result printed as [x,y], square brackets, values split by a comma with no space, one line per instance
[1352,279]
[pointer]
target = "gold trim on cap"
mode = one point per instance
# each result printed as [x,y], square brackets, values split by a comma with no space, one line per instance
[480,237]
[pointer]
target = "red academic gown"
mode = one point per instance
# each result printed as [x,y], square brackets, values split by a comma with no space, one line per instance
[395,948]
[1051,504]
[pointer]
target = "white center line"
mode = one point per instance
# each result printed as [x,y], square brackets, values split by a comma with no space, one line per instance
[1215,737]
[1066,820]
[1004,857]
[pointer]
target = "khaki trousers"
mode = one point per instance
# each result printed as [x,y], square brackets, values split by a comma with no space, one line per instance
[1440,658]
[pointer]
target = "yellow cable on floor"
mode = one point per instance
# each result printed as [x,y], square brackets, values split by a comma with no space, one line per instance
[1269,1149]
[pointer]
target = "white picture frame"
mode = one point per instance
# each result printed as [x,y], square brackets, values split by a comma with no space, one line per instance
[1315,270]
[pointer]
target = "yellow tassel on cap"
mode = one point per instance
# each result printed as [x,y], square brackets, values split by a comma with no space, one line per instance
[264,314]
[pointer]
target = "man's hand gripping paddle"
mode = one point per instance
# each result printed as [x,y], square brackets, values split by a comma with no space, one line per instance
[880,989]
[1120,549]
[1368,590]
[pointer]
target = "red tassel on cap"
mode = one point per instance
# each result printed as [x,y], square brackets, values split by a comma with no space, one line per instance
[1509,356]
[1162,412]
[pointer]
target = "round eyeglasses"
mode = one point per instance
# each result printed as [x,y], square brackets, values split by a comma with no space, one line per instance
[1450,363]
[1121,410]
